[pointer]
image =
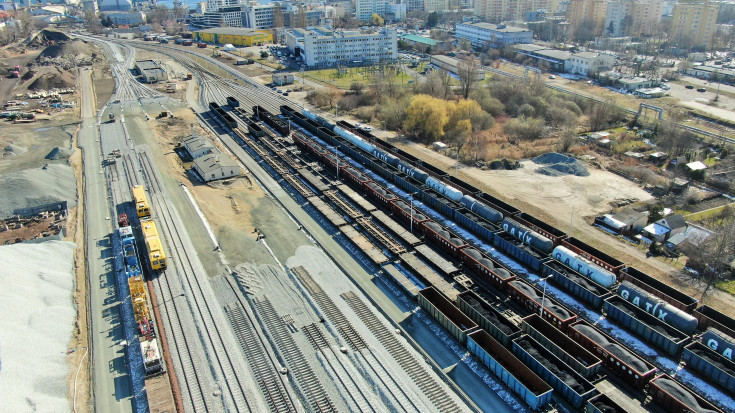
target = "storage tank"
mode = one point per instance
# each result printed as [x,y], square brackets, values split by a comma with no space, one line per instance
[719,342]
[449,192]
[482,210]
[527,235]
[662,310]
[584,266]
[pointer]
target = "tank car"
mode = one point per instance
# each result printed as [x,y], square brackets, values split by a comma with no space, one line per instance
[719,342]
[584,266]
[658,308]
[527,235]
[481,209]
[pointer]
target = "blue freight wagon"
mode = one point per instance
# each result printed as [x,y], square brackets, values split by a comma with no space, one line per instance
[575,283]
[523,381]
[475,224]
[715,367]
[568,350]
[572,386]
[488,318]
[664,336]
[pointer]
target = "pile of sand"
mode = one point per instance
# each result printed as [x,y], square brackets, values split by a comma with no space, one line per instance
[36,187]
[59,153]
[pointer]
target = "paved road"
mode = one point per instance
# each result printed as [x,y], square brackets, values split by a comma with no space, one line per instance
[111,384]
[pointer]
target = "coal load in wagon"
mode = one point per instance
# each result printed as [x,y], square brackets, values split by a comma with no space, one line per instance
[707,355]
[548,305]
[619,351]
[494,320]
[553,366]
[682,394]
[659,327]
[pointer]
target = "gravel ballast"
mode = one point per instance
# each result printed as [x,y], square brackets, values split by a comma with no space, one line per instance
[37,186]
[557,164]
[36,301]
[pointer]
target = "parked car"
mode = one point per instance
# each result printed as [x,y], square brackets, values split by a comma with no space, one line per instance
[701,89]
[552,77]
[689,86]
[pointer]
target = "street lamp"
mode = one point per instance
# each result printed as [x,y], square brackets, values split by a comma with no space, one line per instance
[543,295]
[411,221]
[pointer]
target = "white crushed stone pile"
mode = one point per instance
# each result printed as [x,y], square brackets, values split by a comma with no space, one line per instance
[35,187]
[37,323]
[557,164]
[13,150]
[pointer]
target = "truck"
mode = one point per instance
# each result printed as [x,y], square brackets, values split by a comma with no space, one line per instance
[187,43]
[202,45]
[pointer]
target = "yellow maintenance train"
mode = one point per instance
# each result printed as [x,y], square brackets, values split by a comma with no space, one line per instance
[156,255]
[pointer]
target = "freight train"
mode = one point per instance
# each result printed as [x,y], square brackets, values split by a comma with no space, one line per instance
[219,114]
[133,272]
[592,268]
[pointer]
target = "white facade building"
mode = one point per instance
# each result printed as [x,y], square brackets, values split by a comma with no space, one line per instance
[481,34]
[258,16]
[320,47]
[586,63]
[364,9]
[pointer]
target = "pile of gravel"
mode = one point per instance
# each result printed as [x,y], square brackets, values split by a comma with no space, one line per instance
[620,352]
[36,187]
[681,394]
[559,165]
[13,150]
[59,153]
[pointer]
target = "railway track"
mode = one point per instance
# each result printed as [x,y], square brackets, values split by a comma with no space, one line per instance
[269,380]
[413,367]
[220,359]
[393,391]
[315,394]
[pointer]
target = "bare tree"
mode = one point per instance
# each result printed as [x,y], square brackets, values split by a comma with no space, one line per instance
[278,20]
[468,70]
[300,18]
[712,258]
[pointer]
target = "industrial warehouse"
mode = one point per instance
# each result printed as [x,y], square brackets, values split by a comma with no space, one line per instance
[236,36]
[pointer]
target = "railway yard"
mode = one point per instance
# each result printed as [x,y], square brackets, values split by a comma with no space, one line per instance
[356,276]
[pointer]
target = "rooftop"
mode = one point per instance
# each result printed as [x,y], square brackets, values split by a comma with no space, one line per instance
[586,55]
[236,31]
[529,47]
[497,27]
[147,65]
[696,166]
[554,54]
[213,161]
[419,39]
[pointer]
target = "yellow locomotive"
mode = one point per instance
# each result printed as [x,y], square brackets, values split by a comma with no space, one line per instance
[156,255]
[141,202]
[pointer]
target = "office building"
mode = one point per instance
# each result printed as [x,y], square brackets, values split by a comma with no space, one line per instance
[493,35]
[321,47]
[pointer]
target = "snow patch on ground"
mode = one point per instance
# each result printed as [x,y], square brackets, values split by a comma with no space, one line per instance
[37,323]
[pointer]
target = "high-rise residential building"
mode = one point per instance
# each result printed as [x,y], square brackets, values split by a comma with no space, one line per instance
[587,10]
[364,9]
[258,16]
[412,5]
[496,11]
[321,47]
[632,17]
[694,22]
[437,5]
